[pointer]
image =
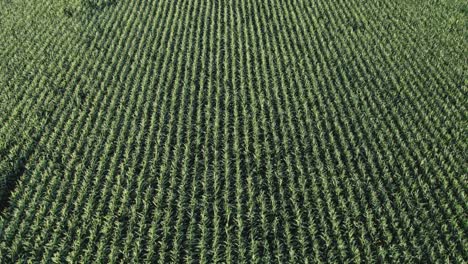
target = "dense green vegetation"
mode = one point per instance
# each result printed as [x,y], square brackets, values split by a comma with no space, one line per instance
[233,131]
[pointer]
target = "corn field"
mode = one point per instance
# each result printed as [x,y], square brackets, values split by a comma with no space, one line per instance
[222,131]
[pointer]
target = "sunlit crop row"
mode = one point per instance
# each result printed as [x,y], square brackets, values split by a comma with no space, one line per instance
[232,131]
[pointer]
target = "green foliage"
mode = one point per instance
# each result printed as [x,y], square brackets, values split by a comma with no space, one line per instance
[233,131]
